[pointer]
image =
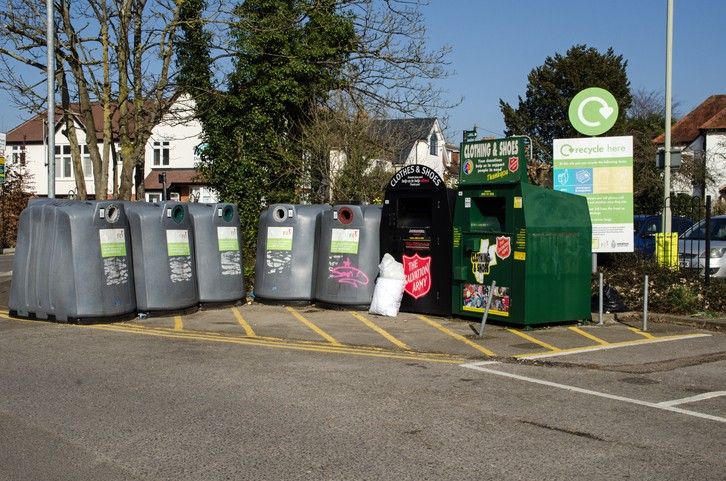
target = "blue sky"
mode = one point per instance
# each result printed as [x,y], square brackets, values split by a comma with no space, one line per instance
[497,42]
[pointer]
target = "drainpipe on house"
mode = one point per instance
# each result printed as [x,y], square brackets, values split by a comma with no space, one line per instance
[162,181]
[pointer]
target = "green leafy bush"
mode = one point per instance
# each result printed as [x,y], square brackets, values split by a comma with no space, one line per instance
[670,290]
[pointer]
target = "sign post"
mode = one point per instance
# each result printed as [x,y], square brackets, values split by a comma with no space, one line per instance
[601,170]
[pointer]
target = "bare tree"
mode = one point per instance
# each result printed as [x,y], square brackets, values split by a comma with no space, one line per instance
[116,54]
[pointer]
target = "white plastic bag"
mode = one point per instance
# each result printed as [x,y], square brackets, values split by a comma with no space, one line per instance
[387,296]
[389,268]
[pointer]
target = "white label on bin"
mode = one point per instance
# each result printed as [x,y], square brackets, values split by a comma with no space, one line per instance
[227,239]
[113,252]
[177,242]
[113,242]
[467,202]
[345,241]
[279,238]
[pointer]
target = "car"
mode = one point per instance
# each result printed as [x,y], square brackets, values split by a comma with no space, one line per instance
[692,246]
[646,226]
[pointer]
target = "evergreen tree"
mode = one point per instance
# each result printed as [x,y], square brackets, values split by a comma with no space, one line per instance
[543,113]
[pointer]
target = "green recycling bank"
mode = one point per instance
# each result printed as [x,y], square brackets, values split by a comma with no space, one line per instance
[534,242]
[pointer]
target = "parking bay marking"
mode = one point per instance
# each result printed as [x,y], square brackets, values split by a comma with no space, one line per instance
[479,366]
[589,336]
[380,330]
[647,335]
[313,327]
[456,336]
[690,399]
[613,345]
[534,340]
[242,322]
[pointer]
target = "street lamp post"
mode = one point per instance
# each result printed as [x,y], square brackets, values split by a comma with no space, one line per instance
[51,97]
[668,114]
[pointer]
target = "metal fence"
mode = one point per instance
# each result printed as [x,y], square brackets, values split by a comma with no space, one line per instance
[697,244]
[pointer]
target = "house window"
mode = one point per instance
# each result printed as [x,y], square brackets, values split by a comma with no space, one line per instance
[87,165]
[63,162]
[161,153]
[434,145]
[17,155]
[153,197]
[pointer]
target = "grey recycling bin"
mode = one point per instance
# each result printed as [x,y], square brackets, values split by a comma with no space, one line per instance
[348,255]
[217,245]
[73,262]
[286,252]
[163,251]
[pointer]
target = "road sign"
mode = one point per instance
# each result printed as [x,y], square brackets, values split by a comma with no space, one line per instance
[2,143]
[2,169]
[593,111]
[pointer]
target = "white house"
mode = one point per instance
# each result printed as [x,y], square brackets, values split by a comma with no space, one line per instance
[413,141]
[702,134]
[171,149]
[407,141]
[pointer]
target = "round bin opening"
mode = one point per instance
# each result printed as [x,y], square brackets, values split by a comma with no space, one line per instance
[112,213]
[177,214]
[345,215]
[279,214]
[228,213]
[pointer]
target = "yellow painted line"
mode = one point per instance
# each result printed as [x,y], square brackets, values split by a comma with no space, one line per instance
[579,331]
[647,335]
[313,327]
[613,345]
[245,325]
[456,336]
[325,348]
[380,330]
[534,340]
[178,323]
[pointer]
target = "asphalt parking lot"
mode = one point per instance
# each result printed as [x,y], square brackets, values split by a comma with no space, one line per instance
[297,392]
[406,336]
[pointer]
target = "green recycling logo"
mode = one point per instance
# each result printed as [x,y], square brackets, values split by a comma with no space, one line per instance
[593,111]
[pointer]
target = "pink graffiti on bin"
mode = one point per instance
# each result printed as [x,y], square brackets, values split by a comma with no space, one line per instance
[348,274]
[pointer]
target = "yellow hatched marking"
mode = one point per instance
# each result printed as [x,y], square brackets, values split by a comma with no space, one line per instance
[534,340]
[646,335]
[178,323]
[380,330]
[242,322]
[258,341]
[313,327]
[588,335]
[456,336]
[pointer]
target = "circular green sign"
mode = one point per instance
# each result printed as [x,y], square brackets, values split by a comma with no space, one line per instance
[593,111]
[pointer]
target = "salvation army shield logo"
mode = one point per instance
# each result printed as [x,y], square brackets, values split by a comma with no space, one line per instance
[418,275]
[504,247]
[513,164]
